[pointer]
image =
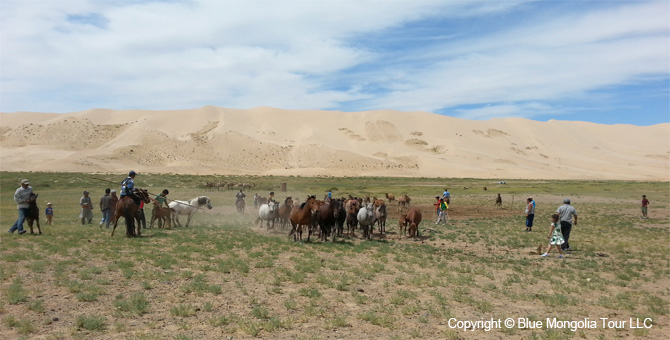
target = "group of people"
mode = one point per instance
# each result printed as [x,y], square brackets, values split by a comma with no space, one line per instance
[562,222]
[442,207]
[108,203]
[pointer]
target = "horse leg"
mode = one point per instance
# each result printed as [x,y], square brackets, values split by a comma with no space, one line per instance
[39,230]
[188,220]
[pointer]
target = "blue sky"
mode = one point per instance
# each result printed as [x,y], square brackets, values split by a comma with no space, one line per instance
[599,61]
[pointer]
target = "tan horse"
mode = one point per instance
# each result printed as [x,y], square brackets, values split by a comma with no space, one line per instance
[303,215]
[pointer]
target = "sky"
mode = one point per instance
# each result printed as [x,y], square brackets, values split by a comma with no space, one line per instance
[605,62]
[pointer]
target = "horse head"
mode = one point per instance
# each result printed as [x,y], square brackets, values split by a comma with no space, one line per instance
[33,197]
[382,210]
[337,204]
[204,200]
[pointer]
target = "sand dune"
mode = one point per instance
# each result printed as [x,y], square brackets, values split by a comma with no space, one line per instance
[260,141]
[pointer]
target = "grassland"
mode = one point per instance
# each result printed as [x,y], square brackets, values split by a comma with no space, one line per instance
[224,277]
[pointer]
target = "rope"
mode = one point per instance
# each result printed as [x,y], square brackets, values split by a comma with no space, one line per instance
[149,193]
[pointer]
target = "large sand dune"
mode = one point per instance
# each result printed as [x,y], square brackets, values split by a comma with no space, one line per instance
[260,141]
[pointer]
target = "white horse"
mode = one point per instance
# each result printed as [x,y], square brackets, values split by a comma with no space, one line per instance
[268,212]
[188,208]
[366,218]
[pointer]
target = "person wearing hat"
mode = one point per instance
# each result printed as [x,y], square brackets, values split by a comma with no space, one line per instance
[49,212]
[86,209]
[566,212]
[127,187]
[105,208]
[22,199]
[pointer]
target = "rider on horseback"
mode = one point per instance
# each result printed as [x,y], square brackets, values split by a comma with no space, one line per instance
[128,188]
[240,196]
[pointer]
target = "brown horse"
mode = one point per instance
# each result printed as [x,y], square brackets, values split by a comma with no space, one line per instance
[285,212]
[33,213]
[403,202]
[499,202]
[163,215]
[327,216]
[413,218]
[351,207]
[127,209]
[240,204]
[303,215]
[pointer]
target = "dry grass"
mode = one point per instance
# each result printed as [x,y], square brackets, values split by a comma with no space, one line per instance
[224,277]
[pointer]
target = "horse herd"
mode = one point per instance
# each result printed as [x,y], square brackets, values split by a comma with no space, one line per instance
[227,185]
[329,217]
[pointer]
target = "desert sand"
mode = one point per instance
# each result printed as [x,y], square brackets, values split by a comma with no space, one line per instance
[270,141]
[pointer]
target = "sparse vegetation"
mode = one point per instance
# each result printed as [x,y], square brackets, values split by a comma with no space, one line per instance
[242,281]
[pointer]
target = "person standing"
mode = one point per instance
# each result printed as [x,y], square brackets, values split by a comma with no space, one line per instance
[645,204]
[555,237]
[141,217]
[256,201]
[442,212]
[49,212]
[437,207]
[86,208]
[530,214]
[566,212]
[22,199]
[162,198]
[112,206]
[105,208]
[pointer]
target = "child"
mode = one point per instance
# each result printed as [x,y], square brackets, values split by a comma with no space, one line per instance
[442,211]
[555,237]
[50,213]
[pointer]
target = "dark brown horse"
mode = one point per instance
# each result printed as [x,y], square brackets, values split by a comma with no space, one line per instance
[240,204]
[127,209]
[352,206]
[33,213]
[380,216]
[326,217]
[302,215]
[285,212]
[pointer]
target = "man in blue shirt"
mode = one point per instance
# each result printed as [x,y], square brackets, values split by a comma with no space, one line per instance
[127,187]
[446,196]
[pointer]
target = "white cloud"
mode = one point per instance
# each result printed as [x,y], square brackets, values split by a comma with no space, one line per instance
[181,54]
